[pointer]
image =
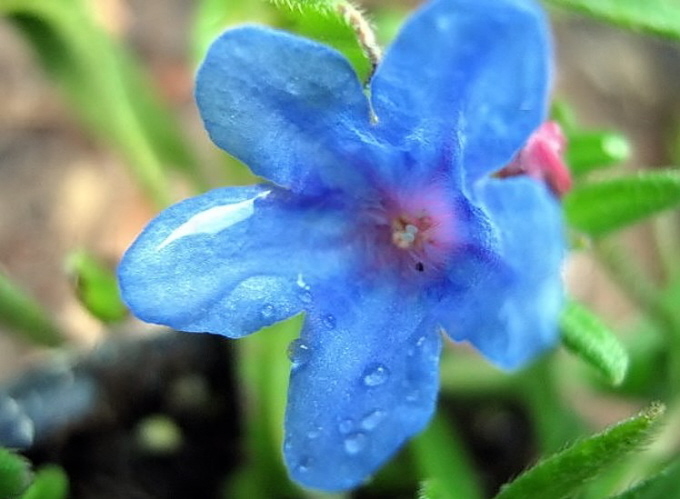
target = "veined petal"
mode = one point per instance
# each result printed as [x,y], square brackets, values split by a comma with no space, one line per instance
[470,74]
[284,105]
[363,381]
[511,313]
[233,260]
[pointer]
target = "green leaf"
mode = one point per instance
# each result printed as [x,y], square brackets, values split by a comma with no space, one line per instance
[24,315]
[663,485]
[588,151]
[264,369]
[647,347]
[660,17]
[318,20]
[330,29]
[563,474]
[584,334]
[603,207]
[97,287]
[431,489]
[303,5]
[442,459]
[51,482]
[15,474]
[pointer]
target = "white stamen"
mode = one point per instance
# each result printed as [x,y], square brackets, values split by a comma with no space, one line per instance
[411,229]
[404,238]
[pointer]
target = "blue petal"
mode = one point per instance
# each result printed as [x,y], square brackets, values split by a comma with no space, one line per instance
[467,73]
[364,380]
[511,314]
[287,107]
[232,260]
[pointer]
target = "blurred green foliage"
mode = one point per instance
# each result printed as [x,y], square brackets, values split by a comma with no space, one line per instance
[660,17]
[15,474]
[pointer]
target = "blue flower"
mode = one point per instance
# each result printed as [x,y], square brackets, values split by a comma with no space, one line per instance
[382,220]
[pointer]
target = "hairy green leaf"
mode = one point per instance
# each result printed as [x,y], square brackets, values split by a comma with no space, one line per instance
[331,30]
[660,17]
[302,5]
[588,151]
[584,334]
[663,485]
[319,20]
[562,475]
[96,287]
[603,207]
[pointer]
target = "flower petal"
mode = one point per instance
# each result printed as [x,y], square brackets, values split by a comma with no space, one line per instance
[284,105]
[511,314]
[364,380]
[232,260]
[477,66]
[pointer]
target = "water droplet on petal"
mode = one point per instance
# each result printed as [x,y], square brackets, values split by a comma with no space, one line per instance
[301,282]
[413,396]
[304,464]
[417,346]
[355,443]
[314,433]
[305,296]
[372,420]
[299,352]
[267,311]
[329,321]
[376,375]
[345,426]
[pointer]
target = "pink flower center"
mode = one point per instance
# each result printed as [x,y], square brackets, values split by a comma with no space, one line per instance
[412,232]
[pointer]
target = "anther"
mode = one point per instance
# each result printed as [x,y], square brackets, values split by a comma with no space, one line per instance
[404,235]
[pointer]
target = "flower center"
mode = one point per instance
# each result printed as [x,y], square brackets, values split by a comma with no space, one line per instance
[413,232]
[410,233]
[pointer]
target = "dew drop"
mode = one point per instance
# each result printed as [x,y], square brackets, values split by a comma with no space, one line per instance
[329,321]
[417,346]
[314,433]
[376,375]
[267,311]
[413,396]
[355,443]
[304,464]
[299,352]
[301,282]
[372,420]
[346,426]
[305,296]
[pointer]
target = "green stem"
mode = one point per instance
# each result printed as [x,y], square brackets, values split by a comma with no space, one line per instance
[365,34]
[22,314]
[554,423]
[644,294]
